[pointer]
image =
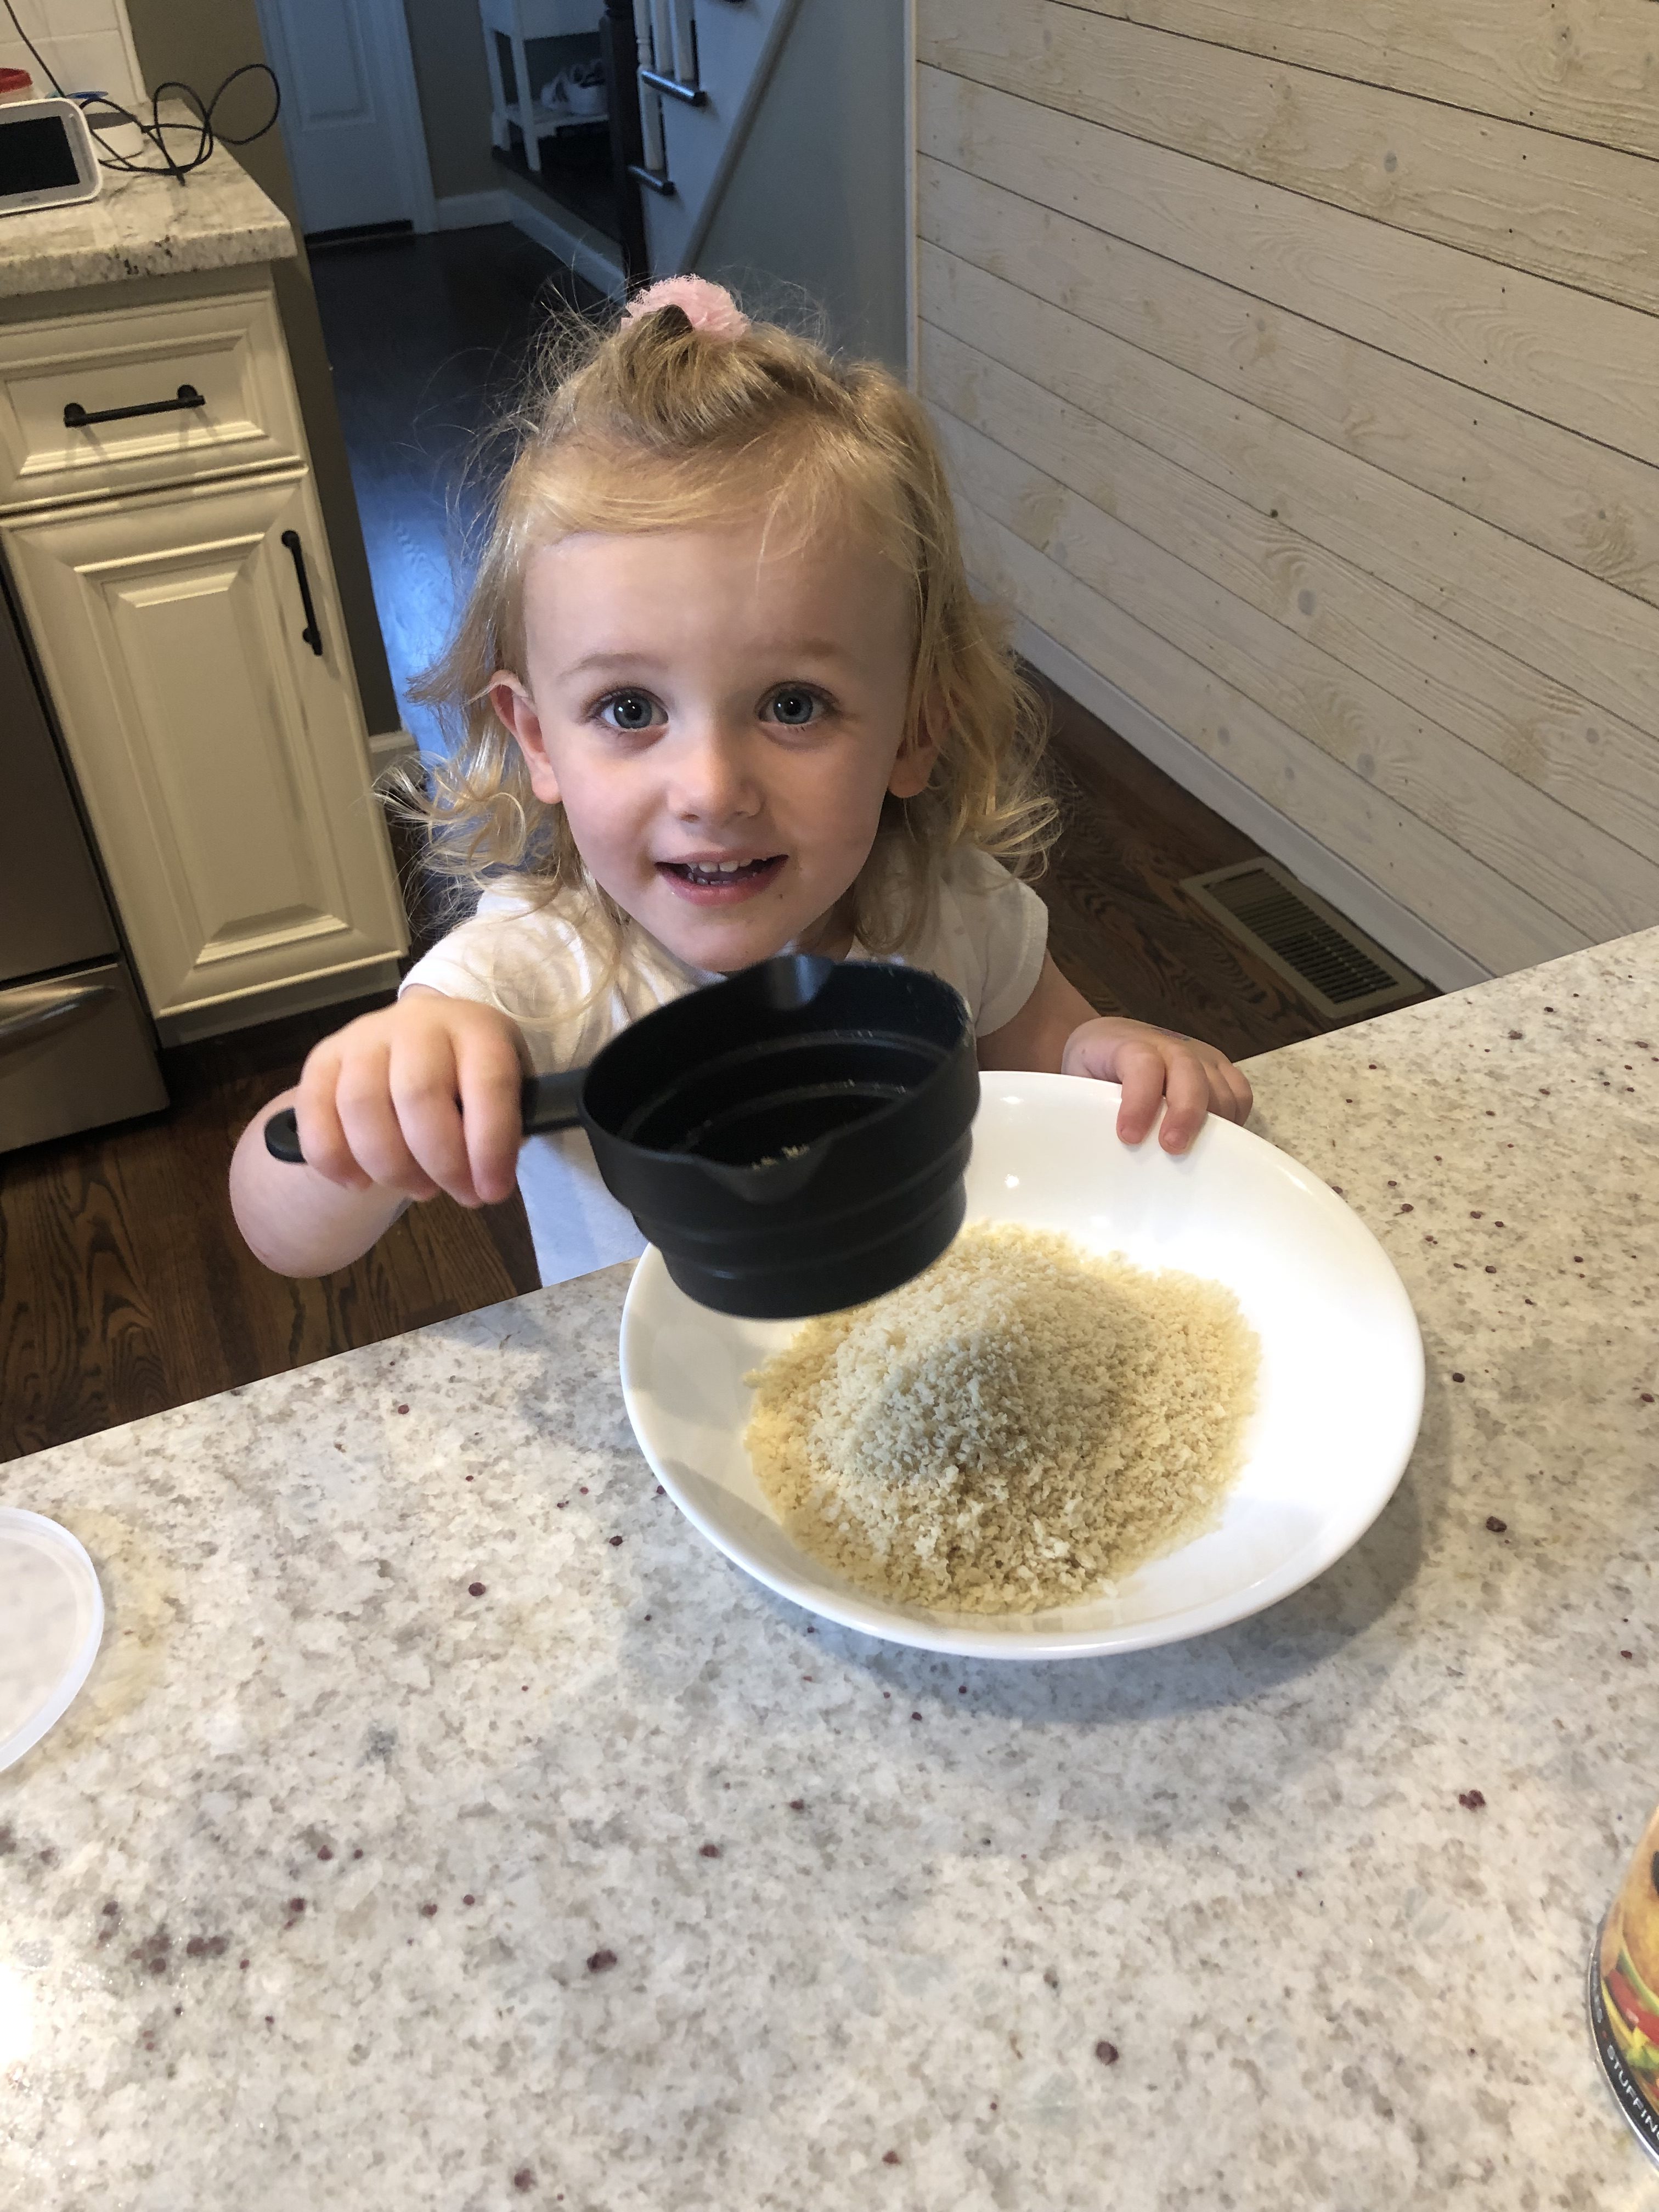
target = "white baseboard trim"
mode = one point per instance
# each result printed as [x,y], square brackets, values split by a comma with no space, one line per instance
[1396,927]
[587,253]
[218,1017]
[392,745]
[472,211]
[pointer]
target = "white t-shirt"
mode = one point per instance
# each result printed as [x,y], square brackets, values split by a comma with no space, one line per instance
[987,935]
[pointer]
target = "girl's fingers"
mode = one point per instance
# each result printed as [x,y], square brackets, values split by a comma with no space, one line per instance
[1187,1093]
[1230,1094]
[457,1098]
[1154,1065]
[419,1098]
[424,1091]
[1140,1070]
[322,1139]
[492,1111]
[370,1120]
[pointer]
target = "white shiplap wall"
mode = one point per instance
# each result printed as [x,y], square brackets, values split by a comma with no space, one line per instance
[1300,368]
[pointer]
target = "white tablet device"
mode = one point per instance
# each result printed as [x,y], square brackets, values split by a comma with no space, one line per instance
[46,156]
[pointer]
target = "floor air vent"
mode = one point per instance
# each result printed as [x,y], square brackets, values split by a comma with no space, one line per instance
[1340,971]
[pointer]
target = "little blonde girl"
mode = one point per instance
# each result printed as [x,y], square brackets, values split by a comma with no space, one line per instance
[726,692]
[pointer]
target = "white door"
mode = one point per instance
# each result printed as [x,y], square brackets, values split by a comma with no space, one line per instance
[351,114]
[215,733]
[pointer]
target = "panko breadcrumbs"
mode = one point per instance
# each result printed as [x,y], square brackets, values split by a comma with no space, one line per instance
[1018,1424]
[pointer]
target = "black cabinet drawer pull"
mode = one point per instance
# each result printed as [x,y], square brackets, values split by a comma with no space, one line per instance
[312,635]
[75,417]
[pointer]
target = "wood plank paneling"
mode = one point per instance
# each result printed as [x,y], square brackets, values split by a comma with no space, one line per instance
[1586,363]
[1565,494]
[1300,365]
[1601,643]
[1587,69]
[1559,860]
[1415,863]
[1586,762]
[1584,215]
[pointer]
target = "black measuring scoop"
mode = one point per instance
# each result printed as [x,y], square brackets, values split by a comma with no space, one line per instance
[791,1140]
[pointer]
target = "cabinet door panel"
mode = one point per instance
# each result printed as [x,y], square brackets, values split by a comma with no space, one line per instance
[222,761]
[195,638]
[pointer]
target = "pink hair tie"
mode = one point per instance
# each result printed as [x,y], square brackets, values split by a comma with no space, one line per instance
[708,307]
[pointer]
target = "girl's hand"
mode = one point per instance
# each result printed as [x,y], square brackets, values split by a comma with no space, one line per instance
[1057,1029]
[1153,1064]
[417,1098]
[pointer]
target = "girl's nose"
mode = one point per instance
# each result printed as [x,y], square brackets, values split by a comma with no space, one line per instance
[712,779]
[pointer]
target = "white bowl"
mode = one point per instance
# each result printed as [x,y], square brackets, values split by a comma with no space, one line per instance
[1340,1397]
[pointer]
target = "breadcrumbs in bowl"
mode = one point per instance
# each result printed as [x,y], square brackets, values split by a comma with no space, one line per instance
[1024,1422]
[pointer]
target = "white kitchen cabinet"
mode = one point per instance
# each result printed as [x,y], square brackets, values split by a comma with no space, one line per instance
[153,461]
[215,733]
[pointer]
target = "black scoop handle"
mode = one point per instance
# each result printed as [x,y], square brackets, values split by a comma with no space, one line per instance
[546,1102]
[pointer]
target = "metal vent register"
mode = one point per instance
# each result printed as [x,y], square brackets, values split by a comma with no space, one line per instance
[1338,970]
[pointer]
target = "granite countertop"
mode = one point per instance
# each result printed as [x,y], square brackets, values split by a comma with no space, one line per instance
[146,226]
[445,1825]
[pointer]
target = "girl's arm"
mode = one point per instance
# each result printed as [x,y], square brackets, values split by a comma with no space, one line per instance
[295,1220]
[1057,1032]
[417,1098]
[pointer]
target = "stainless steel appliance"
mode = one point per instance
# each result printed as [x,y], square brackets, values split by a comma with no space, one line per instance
[77,1047]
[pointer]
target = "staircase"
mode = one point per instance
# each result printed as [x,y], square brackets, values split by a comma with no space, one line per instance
[765,143]
[702,68]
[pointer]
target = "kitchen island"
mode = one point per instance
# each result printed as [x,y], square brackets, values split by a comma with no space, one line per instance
[445,1825]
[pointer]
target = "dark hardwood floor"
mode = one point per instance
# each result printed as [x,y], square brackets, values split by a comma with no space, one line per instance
[427,338]
[123,1286]
[1119,925]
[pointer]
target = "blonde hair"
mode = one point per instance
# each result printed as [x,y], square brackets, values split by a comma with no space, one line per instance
[655,424]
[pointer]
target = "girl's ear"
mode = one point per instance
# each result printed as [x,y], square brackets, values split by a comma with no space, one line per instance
[516,712]
[919,749]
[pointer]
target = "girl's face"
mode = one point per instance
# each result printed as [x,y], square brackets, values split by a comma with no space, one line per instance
[720,721]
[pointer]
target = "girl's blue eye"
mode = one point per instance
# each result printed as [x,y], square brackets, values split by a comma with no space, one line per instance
[629,710]
[795,707]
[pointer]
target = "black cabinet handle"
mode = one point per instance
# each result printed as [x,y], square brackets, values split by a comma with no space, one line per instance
[312,635]
[75,417]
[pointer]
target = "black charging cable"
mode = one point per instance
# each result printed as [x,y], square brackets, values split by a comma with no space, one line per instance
[200,125]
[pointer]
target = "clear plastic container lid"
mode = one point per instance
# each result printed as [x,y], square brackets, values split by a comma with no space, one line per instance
[51,1617]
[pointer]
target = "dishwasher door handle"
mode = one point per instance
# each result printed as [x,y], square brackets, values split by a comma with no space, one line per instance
[46,1006]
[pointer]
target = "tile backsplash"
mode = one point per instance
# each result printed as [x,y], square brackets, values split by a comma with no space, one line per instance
[87,43]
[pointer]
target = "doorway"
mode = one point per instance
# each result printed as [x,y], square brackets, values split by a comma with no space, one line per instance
[351,115]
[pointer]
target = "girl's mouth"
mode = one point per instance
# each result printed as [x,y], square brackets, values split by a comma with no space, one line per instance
[711,883]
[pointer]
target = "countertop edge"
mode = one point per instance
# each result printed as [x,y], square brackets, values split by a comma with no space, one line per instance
[145,226]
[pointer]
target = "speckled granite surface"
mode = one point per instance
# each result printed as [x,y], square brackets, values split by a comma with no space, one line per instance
[612,1883]
[144,227]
